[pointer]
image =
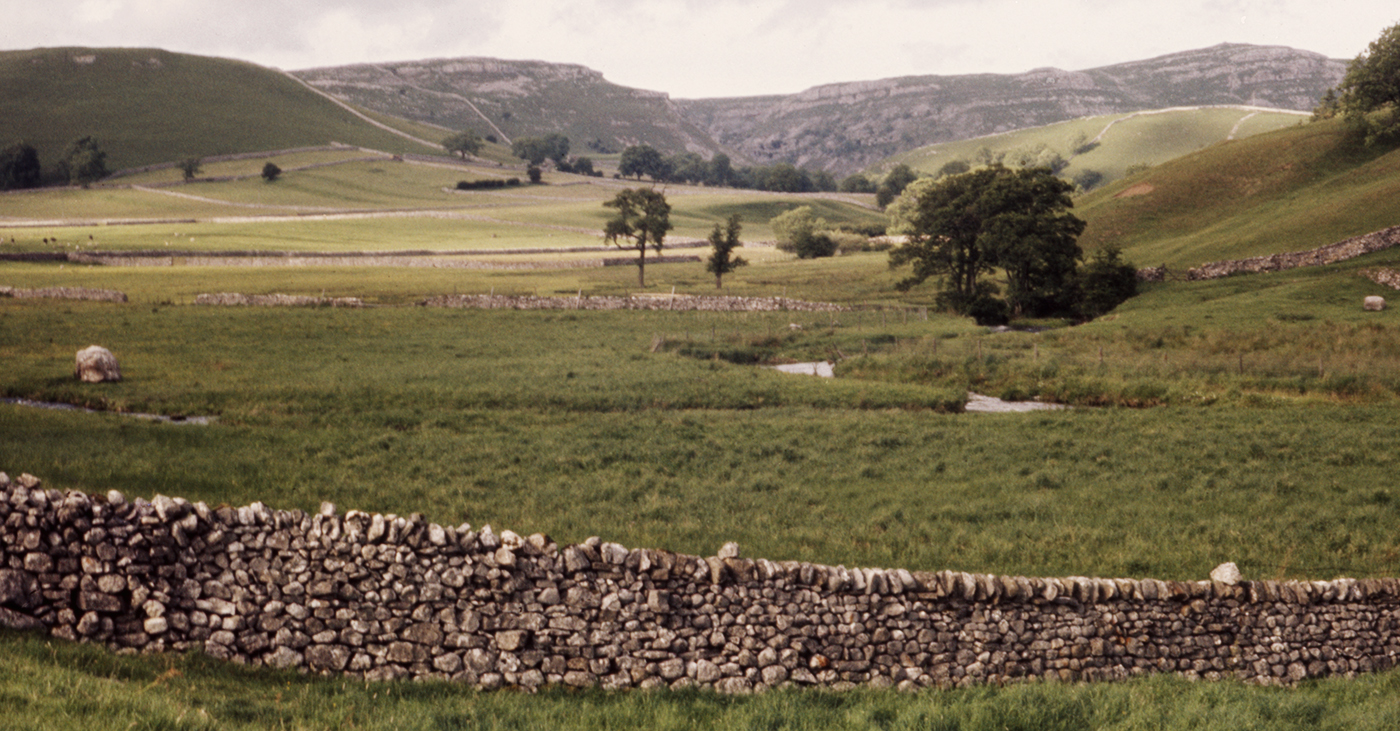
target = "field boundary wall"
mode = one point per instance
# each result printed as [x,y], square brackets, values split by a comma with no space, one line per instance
[385,597]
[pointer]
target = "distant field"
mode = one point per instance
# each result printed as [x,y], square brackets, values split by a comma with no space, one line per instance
[1123,140]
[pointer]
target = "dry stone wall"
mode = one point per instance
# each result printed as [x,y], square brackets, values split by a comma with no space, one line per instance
[384,597]
[1330,254]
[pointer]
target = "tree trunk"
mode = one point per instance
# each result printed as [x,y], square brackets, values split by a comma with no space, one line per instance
[718,277]
[642,266]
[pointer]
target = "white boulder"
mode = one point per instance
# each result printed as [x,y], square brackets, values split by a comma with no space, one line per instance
[1374,303]
[96,364]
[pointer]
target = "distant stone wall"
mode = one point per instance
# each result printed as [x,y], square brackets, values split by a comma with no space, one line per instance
[1340,251]
[275,300]
[65,293]
[384,597]
[637,302]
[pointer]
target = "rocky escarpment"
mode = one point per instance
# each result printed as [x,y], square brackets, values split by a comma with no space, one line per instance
[509,99]
[383,597]
[844,127]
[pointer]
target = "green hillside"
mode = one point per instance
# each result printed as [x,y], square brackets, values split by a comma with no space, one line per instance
[1289,190]
[1101,149]
[147,106]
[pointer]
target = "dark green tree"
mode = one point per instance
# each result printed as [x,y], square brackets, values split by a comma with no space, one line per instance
[967,225]
[189,166]
[723,242]
[803,234]
[1370,92]
[1033,238]
[534,173]
[1105,282]
[857,184]
[687,167]
[639,160]
[84,162]
[270,172]
[463,143]
[19,167]
[894,183]
[720,171]
[642,220]
[535,150]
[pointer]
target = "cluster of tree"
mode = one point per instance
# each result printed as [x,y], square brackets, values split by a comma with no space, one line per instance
[487,184]
[640,161]
[1369,95]
[804,234]
[84,162]
[19,167]
[1018,221]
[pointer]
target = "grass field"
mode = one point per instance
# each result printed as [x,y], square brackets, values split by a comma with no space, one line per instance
[1263,430]
[1123,140]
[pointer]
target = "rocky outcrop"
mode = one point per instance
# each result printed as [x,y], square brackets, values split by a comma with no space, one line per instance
[845,127]
[382,597]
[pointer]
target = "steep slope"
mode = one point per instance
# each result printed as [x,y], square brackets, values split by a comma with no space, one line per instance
[845,127]
[510,99]
[1290,190]
[146,106]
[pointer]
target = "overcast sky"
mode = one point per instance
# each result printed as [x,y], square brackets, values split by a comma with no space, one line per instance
[705,48]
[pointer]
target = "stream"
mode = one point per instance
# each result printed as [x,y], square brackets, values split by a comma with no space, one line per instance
[195,420]
[976,402]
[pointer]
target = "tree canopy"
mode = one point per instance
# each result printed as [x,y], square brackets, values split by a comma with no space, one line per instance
[463,143]
[802,233]
[723,242]
[19,167]
[639,160]
[84,162]
[967,225]
[642,220]
[535,150]
[1370,91]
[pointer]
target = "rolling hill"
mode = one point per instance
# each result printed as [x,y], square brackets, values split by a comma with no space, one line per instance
[147,106]
[840,128]
[845,127]
[1292,189]
[1099,150]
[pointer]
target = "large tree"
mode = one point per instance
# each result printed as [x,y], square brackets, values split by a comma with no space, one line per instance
[1370,91]
[639,160]
[642,220]
[19,166]
[535,150]
[463,143]
[723,242]
[84,162]
[967,225]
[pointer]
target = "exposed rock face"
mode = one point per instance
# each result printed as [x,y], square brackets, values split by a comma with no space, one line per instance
[845,127]
[384,597]
[837,127]
[95,364]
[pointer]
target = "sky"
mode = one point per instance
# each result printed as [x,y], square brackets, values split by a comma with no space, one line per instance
[705,48]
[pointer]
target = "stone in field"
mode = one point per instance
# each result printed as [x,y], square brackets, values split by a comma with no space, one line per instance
[1374,303]
[96,364]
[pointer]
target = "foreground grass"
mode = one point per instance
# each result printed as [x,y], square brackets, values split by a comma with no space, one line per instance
[50,685]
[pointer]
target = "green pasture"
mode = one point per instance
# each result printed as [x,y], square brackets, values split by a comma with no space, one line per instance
[146,106]
[1125,140]
[1290,190]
